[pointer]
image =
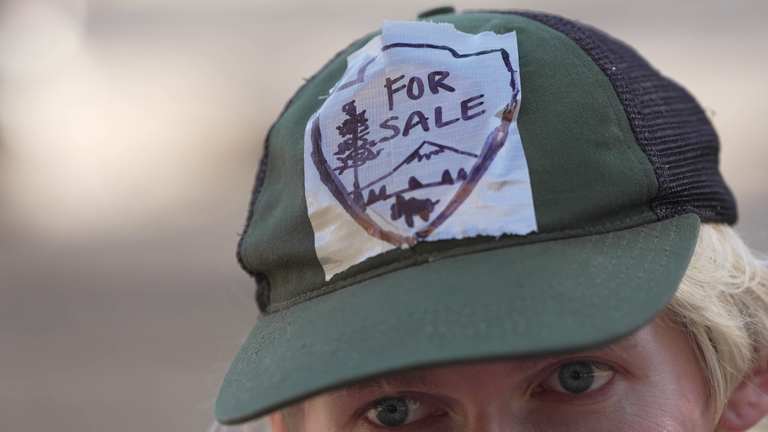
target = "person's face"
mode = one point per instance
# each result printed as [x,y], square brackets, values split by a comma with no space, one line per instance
[650,381]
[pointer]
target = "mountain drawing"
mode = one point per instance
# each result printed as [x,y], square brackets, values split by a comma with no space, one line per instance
[423,153]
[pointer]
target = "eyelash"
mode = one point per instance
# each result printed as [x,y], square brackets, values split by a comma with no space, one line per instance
[413,408]
[604,372]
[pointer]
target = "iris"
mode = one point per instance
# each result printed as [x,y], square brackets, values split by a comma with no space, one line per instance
[392,411]
[576,377]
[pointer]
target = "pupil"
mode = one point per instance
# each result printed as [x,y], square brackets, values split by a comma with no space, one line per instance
[576,377]
[392,411]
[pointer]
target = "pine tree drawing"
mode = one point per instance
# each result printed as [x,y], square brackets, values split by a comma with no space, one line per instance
[355,151]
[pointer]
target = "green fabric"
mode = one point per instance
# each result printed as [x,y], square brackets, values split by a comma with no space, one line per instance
[599,251]
[280,241]
[587,172]
[455,310]
[442,10]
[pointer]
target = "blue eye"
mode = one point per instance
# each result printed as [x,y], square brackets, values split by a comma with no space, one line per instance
[398,410]
[391,411]
[578,377]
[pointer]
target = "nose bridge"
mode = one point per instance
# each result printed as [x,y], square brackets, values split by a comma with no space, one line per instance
[507,423]
[494,423]
[497,417]
[494,400]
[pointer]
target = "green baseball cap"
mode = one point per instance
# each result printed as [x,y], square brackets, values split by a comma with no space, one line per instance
[474,186]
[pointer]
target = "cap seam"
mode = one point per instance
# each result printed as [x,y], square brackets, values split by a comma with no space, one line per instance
[264,165]
[630,75]
[648,184]
[422,259]
[260,176]
[615,70]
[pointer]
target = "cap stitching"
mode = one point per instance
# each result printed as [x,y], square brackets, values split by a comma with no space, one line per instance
[650,100]
[421,259]
[627,143]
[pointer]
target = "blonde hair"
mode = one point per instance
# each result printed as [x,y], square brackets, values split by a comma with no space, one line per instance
[721,304]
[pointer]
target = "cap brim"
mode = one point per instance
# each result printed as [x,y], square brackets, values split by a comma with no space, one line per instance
[538,299]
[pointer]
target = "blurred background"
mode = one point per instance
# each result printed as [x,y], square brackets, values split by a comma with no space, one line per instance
[130,133]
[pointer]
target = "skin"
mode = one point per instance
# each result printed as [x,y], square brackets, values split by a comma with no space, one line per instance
[650,381]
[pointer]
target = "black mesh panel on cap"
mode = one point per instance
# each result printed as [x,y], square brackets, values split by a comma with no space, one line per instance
[669,125]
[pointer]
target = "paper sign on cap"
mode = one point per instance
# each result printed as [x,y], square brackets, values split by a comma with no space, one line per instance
[418,141]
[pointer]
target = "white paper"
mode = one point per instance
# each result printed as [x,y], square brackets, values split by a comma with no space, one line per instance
[418,141]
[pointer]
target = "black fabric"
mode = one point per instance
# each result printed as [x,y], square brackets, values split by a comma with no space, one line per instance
[263,292]
[669,125]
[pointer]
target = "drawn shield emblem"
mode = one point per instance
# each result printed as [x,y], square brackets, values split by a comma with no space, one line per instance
[404,138]
[417,141]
